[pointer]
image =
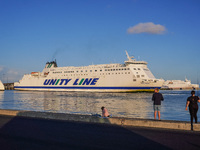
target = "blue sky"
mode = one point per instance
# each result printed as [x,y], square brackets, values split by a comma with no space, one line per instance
[165,33]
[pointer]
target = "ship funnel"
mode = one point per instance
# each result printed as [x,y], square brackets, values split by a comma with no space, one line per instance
[51,64]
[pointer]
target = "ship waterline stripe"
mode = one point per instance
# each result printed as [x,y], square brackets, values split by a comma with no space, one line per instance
[71,87]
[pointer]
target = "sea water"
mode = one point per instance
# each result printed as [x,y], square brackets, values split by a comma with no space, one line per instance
[130,105]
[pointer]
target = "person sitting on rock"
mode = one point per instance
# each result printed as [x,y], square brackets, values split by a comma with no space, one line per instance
[104,112]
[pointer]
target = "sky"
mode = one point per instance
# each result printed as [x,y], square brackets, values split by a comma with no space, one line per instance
[165,33]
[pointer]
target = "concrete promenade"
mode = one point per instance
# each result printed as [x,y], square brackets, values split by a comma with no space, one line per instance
[39,130]
[166,124]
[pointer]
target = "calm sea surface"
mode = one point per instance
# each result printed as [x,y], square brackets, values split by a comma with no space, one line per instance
[131,105]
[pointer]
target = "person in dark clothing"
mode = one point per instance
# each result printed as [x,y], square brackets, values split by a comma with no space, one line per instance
[192,102]
[157,98]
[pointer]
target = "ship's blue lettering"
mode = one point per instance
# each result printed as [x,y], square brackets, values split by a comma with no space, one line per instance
[66,81]
[46,82]
[76,82]
[61,81]
[94,81]
[87,81]
[53,81]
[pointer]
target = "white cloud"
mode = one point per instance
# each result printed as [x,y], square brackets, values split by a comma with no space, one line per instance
[148,27]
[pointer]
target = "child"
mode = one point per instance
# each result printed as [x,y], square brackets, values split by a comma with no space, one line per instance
[104,112]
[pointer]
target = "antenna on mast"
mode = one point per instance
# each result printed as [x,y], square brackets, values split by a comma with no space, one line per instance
[129,58]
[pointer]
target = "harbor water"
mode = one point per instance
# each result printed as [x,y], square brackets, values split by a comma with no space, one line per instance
[129,105]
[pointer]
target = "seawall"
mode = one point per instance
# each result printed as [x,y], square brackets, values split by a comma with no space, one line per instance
[165,124]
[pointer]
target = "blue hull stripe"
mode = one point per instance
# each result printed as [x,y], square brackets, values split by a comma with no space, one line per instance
[71,87]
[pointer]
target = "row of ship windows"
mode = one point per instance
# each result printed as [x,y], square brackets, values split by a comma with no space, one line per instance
[100,74]
[135,76]
[99,70]
[146,80]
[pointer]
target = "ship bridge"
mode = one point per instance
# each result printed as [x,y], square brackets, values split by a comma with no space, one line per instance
[133,61]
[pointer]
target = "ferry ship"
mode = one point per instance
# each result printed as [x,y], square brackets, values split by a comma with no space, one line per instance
[132,76]
[2,88]
[179,85]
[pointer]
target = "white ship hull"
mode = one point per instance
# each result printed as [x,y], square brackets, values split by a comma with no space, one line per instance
[129,77]
[99,87]
[2,88]
[179,85]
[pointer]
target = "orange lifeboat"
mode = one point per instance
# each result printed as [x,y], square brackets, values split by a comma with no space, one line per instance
[34,73]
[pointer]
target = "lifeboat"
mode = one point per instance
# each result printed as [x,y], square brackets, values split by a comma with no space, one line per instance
[34,73]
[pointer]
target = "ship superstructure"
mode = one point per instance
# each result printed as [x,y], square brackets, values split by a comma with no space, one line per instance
[128,77]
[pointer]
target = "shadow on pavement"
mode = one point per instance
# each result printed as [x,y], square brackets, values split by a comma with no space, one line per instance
[28,133]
